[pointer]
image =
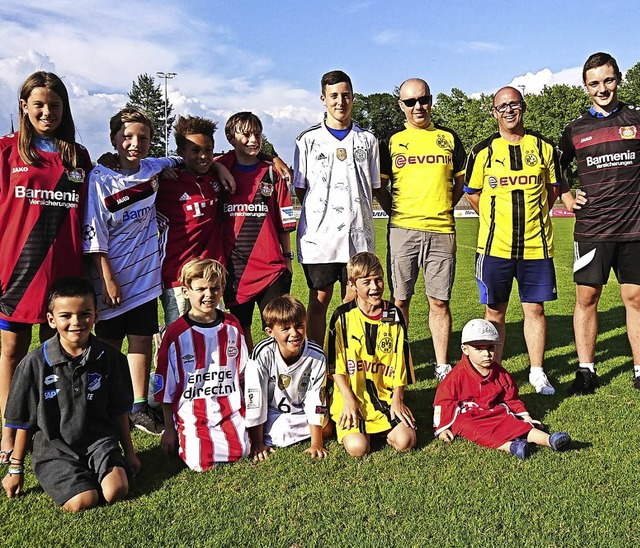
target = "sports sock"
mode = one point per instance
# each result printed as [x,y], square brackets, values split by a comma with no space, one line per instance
[590,366]
[636,370]
[138,405]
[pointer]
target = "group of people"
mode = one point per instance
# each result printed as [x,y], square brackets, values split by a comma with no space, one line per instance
[194,231]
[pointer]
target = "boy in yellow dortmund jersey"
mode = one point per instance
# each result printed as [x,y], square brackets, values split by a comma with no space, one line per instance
[370,363]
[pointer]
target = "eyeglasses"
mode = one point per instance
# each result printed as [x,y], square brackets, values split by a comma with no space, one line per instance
[424,101]
[513,105]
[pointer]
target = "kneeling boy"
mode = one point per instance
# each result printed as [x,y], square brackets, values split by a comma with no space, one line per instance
[370,363]
[200,374]
[75,392]
[479,400]
[285,383]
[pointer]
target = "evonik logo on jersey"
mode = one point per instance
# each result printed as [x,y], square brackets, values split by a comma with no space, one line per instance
[38,196]
[402,160]
[515,180]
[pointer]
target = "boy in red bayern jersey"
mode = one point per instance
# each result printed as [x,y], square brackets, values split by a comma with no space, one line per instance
[200,375]
[479,400]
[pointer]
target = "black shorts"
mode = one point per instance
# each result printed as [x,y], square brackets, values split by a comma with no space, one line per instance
[593,262]
[63,476]
[141,320]
[244,311]
[322,275]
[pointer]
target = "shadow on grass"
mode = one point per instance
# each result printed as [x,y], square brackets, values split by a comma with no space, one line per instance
[156,469]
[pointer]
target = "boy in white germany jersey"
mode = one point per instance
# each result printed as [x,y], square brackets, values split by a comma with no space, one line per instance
[285,383]
[200,375]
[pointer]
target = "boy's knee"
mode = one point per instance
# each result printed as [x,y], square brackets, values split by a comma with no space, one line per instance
[357,445]
[82,501]
[402,438]
[115,485]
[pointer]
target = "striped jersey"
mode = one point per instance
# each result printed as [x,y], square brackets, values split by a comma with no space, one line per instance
[285,398]
[421,165]
[200,373]
[607,151]
[336,220]
[514,204]
[120,220]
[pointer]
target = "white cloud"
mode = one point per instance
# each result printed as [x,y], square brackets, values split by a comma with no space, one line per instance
[534,82]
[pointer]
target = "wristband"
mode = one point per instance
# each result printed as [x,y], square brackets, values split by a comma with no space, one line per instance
[16,470]
[287,254]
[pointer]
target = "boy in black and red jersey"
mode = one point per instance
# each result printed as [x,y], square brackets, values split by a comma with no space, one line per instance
[606,144]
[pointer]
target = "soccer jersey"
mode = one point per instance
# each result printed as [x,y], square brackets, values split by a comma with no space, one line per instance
[421,164]
[253,218]
[41,210]
[482,409]
[514,205]
[285,398]
[200,373]
[121,221]
[608,154]
[374,356]
[336,220]
[188,223]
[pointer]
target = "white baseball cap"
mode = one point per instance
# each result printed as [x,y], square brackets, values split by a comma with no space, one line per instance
[480,331]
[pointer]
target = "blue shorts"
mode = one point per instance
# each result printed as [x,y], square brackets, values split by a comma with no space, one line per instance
[14,327]
[536,279]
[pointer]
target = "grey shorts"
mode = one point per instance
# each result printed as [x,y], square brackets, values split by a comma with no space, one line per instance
[411,249]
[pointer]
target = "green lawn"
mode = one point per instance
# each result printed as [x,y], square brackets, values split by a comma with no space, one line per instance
[458,494]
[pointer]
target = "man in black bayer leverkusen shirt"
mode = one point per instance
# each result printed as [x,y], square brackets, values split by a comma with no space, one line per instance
[606,144]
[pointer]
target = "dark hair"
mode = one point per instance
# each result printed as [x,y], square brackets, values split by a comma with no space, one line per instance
[192,125]
[127,115]
[600,59]
[71,286]
[284,310]
[335,77]
[65,133]
[241,122]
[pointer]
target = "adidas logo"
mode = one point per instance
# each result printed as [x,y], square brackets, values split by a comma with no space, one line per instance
[321,156]
[185,197]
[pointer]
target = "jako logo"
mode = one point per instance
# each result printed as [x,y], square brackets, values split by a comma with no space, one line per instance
[19,170]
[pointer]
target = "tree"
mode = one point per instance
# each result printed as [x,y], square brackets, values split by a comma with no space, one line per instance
[149,98]
[630,88]
[267,147]
[378,112]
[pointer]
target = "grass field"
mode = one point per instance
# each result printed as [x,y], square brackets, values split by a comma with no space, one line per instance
[447,495]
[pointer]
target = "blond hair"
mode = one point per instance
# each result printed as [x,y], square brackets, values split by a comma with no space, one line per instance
[362,265]
[284,310]
[206,269]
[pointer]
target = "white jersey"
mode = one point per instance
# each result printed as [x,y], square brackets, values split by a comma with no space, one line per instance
[120,220]
[286,398]
[336,220]
[200,373]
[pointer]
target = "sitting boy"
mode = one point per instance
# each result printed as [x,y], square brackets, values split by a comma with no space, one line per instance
[75,392]
[370,363]
[479,401]
[200,374]
[285,383]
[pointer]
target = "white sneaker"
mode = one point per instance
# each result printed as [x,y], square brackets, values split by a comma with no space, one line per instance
[540,382]
[442,371]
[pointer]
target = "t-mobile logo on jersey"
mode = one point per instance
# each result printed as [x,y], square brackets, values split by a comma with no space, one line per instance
[197,207]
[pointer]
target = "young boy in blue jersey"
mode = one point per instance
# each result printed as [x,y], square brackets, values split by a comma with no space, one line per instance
[74,392]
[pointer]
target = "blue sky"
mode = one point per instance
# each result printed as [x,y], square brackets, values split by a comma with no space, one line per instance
[268,57]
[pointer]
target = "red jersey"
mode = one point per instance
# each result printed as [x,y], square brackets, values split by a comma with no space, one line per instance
[187,221]
[41,209]
[252,219]
[481,409]
[201,374]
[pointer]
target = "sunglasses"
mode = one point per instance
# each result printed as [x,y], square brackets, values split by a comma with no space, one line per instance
[424,101]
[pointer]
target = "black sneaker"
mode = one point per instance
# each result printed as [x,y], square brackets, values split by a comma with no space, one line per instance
[585,382]
[636,383]
[148,421]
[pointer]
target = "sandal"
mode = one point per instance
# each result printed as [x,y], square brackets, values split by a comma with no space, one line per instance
[5,456]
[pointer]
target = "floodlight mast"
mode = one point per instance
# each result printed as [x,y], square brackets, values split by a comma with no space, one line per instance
[166,76]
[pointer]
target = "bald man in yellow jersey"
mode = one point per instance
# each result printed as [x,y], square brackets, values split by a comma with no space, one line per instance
[424,163]
[512,180]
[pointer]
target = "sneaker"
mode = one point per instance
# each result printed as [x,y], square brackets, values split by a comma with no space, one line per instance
[520,448]
[636,383]
[541,383]
[148,421]
[442,371]
[585,382]
[560,441]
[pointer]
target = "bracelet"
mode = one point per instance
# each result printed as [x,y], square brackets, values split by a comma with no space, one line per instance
[287,254]
[17,470]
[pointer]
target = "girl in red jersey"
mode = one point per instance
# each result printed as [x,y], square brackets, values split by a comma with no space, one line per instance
[42,192]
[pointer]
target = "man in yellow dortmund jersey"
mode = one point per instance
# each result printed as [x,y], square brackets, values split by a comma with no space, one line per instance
[424,163]
[512,180]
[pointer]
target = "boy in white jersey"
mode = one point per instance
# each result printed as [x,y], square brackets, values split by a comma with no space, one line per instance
[200,375]
[285,383]
[336,174]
